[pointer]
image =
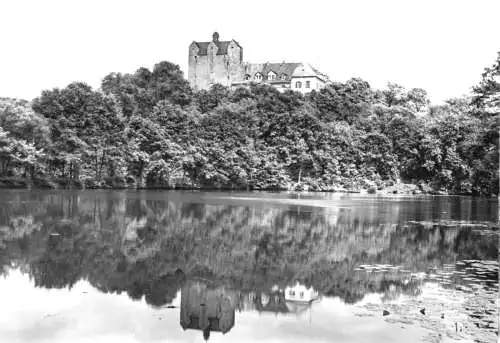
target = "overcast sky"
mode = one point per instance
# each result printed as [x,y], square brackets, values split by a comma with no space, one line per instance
[441,46]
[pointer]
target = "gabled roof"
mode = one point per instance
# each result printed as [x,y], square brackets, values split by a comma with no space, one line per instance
[306,70]
[289,69]
[265,68]
[221,45]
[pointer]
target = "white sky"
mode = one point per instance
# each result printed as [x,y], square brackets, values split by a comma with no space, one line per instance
[439,45]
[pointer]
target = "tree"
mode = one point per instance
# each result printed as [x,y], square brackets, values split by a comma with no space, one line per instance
[168,83]
[23,135]
[150,126]
[84,123]
[417,101]
[18,118]
[394,95]
[487,93]
[343,101]
[207,100]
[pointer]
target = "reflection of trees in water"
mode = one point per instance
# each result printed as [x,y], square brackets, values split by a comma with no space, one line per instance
[147,248]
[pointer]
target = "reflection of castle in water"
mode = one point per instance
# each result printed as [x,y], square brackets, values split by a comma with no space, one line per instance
[291,300]
[213,309]
[288,301]
[301,293]
[207,309]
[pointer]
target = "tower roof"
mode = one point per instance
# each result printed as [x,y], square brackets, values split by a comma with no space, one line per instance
[221,45]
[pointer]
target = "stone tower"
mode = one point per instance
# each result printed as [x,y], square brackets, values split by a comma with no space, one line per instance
[214,62]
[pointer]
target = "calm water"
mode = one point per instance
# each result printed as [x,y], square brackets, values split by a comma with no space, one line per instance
[106,266]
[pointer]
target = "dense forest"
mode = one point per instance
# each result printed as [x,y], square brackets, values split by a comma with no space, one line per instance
[150,129]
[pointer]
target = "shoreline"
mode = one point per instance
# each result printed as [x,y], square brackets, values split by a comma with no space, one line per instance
[63,184]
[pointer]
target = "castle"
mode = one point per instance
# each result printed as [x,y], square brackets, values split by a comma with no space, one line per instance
[222,62]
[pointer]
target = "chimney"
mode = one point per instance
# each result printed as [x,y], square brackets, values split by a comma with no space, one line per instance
[215,37]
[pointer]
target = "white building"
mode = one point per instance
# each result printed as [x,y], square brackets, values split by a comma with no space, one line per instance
[300,77]
[300,293]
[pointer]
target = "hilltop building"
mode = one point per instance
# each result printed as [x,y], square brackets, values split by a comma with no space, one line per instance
[222,62]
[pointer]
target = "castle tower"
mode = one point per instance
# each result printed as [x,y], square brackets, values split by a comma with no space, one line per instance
[221,62]
[214,62]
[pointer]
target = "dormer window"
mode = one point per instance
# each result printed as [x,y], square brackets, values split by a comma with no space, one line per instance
[258,77]
[271,76]
[247,77]
[283,76]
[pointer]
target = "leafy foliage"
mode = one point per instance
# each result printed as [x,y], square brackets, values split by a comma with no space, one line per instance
[150,127]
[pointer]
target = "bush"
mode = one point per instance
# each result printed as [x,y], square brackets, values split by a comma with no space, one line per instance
[117,181]
[299,187]
[91,184]
[45,183]
[389,183]
[69,183]
[13,182]
[157,174]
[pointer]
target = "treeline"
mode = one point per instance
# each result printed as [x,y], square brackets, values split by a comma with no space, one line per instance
[150,129]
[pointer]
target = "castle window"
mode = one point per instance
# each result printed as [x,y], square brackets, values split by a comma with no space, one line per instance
[308,84]
[298,84]
[258,77]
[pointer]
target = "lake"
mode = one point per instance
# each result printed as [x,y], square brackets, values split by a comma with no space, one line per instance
[167,266]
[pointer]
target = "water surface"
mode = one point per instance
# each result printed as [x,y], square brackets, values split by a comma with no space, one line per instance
[101,266]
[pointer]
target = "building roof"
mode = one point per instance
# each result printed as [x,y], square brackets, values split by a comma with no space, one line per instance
[265,68]
[306,70]
[295,69]
[195,324]
[221,45]
[203,46]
